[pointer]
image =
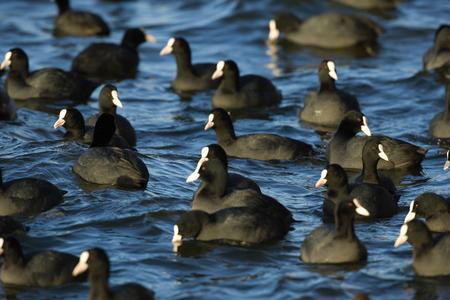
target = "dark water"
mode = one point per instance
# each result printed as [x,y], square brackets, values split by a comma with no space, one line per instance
[136,227]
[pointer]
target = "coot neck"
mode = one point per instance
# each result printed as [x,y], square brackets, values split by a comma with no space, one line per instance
[343,132]
[421,241]
[99,286]
[369,170]
[109,109]
[214,185]
[184,61]
[327,84]
[344,225]
[230,81]
[225,133]
[13,258]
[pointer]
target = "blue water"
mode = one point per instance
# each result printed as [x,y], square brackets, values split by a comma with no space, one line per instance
[136,227]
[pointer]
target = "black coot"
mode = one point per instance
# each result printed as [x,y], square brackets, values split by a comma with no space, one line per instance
[254,146]
[72,120]
[434,208]
[48,83]
[43,269]
[108,101]
[345,148]
[212,194]
[430,255]
[329,105]
[96,262]
[190,77]
[327,30]
[102,164]
[78,23]
[107,61]
[240,92]
[235,225]
[440,124]
[336,243]
[28,196]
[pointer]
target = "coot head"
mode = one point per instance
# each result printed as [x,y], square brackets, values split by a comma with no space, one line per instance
[63,5]
[283,22]
[108,99]
[11,248]
[333,176]
[415,232]
[215,151]
[373,149]
[17,60]
[176,45]
[189,225]
[133,37]
[327,71]
[427,205]
[104,130]
[70,118]
[218,117]
[354,122]
[96,260]
[442,37]
[226,69]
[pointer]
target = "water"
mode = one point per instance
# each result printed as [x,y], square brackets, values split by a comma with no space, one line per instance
[136,227]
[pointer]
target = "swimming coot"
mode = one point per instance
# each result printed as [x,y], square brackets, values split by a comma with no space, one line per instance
[108,61]
[345,148]
[329,105]
[47,83]
[430,255]
[43,269]
[96,262]
[72,120]
[236,225]
[28,196]
[102,164]
[190,77]
[240,92]
[78,23]
[108,101]
[212,195]
[254,146]
[327,30]
[338,243]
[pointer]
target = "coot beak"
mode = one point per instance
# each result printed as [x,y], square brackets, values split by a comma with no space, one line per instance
[274,33]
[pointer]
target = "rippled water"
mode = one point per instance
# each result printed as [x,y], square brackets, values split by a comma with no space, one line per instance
[136,227]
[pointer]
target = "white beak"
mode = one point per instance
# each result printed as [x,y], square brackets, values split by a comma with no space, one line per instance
[196,175]
[6,61]
[82,265]
[168,48]
[360,210]
[210,123]
[365,127]
[274,33]
[219,70]
[322,179]
[176,235]
[150,38]
[447,163]
[382,154]
[115,99]
[2,241]
[59,123]
[402,238]
[411,215]
[332,70]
